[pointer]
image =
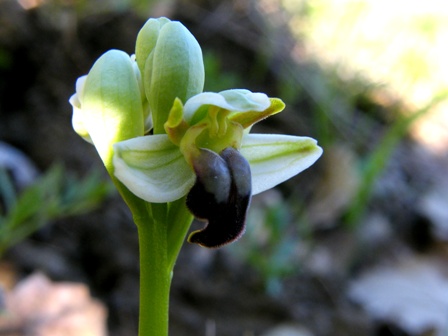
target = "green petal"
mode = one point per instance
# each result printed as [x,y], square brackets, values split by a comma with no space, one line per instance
[238,100]
[247,119]
[147,39]
[275,158]
[246,100]
[153,168]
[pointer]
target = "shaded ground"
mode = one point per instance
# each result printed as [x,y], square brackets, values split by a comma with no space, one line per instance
[44,50]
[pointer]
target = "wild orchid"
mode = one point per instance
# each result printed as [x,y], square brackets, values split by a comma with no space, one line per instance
[175,152]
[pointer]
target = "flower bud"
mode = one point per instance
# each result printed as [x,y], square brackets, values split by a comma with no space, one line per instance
[146,40]
[109,103]
[170,60]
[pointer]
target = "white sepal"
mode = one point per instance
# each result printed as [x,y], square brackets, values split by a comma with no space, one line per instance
[153,168]
[276,158]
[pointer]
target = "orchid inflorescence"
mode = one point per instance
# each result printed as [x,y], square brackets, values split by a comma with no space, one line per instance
[163,138]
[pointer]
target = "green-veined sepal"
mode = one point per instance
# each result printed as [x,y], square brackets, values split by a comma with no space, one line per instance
[153,168]
[276,158]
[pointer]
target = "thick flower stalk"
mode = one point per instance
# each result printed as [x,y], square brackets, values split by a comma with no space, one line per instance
[175,152]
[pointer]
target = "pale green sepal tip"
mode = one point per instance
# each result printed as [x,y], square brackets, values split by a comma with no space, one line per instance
[77,116]
[146,110]
[146,40]
[248,118]
[78,125]
[276,158]
[174,69]
[111,102]
[153,168]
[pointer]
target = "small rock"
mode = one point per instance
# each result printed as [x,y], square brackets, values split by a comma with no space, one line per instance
[43,307]
[411,294]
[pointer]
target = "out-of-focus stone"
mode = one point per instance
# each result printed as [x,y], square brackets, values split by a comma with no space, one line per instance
[43,307]
[411,294]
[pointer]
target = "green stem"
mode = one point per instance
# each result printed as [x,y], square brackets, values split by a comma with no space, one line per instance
[179,219]
[155,276]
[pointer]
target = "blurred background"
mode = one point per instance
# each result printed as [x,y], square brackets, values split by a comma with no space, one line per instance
[355,245]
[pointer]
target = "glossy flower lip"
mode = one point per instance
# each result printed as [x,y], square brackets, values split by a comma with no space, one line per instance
[221,202]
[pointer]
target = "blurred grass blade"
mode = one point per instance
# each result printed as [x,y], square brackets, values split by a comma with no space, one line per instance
[6,191]
[55,195]
[378,159]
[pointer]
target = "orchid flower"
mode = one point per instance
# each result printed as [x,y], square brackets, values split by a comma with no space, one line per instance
[208,153]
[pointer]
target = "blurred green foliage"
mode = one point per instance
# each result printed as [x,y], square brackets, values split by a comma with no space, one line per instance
[55,195]
[374,162]
[216,78]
